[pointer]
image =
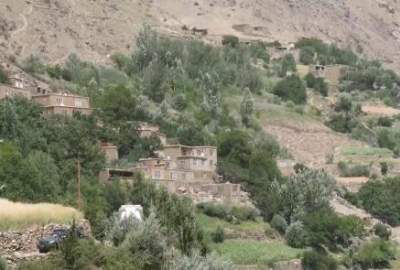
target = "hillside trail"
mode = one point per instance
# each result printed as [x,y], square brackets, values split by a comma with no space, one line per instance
[25,24]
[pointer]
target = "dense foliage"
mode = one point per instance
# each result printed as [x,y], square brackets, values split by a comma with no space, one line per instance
[380,198]
[291,88]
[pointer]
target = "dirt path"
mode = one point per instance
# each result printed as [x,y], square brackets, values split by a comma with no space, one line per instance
[24,26]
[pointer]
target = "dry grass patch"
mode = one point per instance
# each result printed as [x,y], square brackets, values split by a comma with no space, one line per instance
[14,215]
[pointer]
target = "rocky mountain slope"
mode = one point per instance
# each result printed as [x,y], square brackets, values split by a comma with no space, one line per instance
[94,29]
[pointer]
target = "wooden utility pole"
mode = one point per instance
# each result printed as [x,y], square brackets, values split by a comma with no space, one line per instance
[78,171]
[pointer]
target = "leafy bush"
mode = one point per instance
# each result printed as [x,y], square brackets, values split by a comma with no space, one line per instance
[240,213]
[385,121]
[230,40]
[375,254]
[279,224]
[291,88]
[3,75]
[296,235]
[326,228]
[313,260]
[382,231]
[349,170]
[214,210]
[380,198]
[244,213]
[218,236]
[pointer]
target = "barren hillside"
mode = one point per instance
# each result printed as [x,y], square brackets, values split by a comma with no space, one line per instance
[96,28]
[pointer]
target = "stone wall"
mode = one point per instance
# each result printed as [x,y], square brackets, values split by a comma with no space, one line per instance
[18,246]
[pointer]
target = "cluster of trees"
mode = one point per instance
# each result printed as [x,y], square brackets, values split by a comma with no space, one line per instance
[315,51]
[168,238]
[344,118]
[379,198]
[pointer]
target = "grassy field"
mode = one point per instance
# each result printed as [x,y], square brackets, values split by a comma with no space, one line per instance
[14,215]
[242,251]
[367,151]
[252,252]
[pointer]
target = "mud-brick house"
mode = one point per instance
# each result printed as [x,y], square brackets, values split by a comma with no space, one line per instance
[15,87]
[62,103]
[188,164]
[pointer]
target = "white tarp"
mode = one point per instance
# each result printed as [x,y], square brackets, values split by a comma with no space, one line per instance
[131,211]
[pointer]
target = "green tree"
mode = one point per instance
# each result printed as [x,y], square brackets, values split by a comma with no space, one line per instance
[291,88]
[305,192]
[146,243]
[287,65]
[247,107]
[307,55]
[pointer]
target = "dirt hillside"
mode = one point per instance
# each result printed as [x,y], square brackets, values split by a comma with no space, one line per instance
[94,29]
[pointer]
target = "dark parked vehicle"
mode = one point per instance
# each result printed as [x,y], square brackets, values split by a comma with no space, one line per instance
[53,241]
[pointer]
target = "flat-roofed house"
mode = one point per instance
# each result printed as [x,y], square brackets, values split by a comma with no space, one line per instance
[62,103]
[15,87]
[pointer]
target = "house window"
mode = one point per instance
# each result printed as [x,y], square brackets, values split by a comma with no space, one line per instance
[195,162]
[211,152]
[59,101]
[199,152]
[203,163]
[182,163]
[211,163]
[157,174]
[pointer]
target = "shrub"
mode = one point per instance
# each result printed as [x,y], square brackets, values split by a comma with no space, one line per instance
[342,122]
[3,76]
[214,210]
[325,228]
[230,40]
[313,260]
[296,235]
[321,86]
[380,198]
[382,231]
[279,224]
[384,168]
[291,88]
[244,213]
[374,254]
[196,261]
[347,170]
[385,122]
[299,167]
[218,236]
[3,264]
